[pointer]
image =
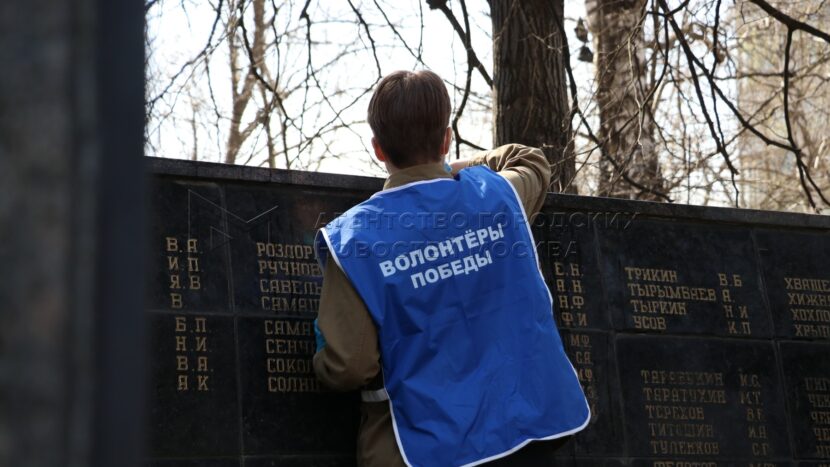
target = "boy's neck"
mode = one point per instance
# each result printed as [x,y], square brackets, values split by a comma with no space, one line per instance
[416,173]
[391,169]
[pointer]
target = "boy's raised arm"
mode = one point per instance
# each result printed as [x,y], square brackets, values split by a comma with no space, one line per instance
[525,167]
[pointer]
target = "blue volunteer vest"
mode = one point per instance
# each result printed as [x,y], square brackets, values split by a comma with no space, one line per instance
[472,362]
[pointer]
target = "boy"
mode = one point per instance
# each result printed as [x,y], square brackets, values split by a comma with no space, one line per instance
[433,301]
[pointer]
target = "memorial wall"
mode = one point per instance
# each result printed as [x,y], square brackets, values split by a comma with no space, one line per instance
[701,335]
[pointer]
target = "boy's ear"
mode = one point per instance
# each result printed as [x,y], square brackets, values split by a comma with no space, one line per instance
[379,154]
[445,146]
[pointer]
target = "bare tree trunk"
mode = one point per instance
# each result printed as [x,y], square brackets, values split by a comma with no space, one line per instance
[626,123]
[194,129]
[266,123]
[241,97]
[530,93]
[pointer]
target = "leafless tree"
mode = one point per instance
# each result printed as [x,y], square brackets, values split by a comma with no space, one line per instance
[623,99]
[701,101]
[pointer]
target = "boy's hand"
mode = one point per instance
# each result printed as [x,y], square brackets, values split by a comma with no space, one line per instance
[457,165]
[321,341]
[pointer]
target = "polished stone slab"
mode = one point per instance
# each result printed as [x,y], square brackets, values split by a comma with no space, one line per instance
[566,243]
[641,292]
[270,232]
[807,383]
[671,277]
[592,355]
[188,264]
[193,405]
[796,267]
[693,398]
[285,409]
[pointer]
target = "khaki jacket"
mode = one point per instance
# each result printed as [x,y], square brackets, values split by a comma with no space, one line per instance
[351,359]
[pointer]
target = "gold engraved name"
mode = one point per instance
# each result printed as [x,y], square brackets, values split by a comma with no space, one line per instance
[581,351]
[654,294]
[751,399]
[818,396]
[674,412]
[685,395]
[685,448]
[686,464]
[185,276]
[807,284]
[288,365]
[662,307]
[809,303]
[192,364]
[288,277]
[812,330]
[288,328]
[691,378]
[737,315]
[810,299]
[651,274]
[570,296]
[672,292]
[681,430]
[284,250]
[292,384]
[817,384]
[289,304]
[289,268]
[675,404]
[289,346]
[286,286]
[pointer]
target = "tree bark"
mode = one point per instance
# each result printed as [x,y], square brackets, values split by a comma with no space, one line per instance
[530,83]
[242,97]
[626,124]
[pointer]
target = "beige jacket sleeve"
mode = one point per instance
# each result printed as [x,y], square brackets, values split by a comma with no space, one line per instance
[526,168]
[351,358]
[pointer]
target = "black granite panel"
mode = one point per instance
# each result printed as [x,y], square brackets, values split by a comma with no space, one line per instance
[796,270]
[668,462]
[567,252]
[592,462]
[188,264]
[807,382]
[694,398]
[193,405]
[235,462]
[240,390]
[591,353]
[302,461]
[272,232]
[678,462]
[672,277]
[284,407]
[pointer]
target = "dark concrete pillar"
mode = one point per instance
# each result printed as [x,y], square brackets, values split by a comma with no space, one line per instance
[71,232]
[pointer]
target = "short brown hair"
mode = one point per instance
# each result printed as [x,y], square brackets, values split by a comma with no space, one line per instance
[409,114]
